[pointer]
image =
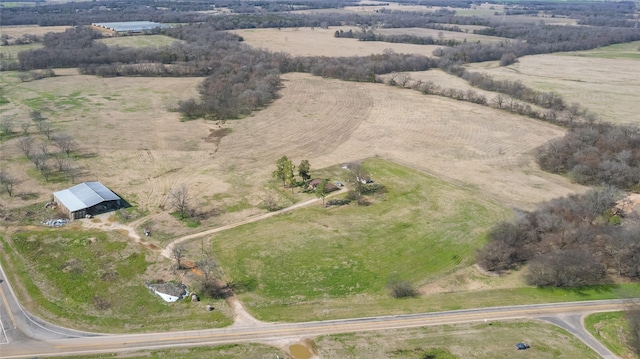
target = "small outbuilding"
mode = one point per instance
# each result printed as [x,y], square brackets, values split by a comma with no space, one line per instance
[87,198]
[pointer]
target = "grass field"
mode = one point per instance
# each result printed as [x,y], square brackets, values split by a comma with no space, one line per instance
[629,50]
[138,41]
[495,340]
[605,81]
[419,230]
[451,169]
[612,330]
[18,31]
[321,42]
[231,351]
[436,34]
[10,53]
[95,281]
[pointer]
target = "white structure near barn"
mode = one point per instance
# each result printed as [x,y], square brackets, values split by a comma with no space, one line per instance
[88,198]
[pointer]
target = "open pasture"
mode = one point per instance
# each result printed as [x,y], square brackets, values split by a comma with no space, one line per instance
[608,87]
[95,281]
[18,31]
[125,125]
[321,42]
[436,34]
[418,230]
[472,340]
[10,53]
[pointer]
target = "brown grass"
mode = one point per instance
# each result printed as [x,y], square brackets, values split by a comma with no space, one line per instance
[18,31]
[142,151]
[607,87]
[446,35]
[321,42]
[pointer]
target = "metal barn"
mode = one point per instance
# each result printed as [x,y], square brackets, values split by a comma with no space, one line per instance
[88,198]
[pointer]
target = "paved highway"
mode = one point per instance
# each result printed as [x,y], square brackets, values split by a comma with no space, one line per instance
[64,343]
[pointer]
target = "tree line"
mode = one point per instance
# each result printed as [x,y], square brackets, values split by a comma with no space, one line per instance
[370,35]
[533,39]
[596,153]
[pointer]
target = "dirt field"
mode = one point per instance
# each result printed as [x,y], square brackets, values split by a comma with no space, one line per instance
[142,151]
[17,31]
[607,87]
[321,42]
[468,144]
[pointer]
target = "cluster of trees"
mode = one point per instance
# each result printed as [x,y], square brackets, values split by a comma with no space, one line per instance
[513,96]
[35,75]
[240,79]
[596,153]
[7,181]
[568,242]
[532,40]
[285,172]
[619,13]
[40,150]
[515,89]
[360,68]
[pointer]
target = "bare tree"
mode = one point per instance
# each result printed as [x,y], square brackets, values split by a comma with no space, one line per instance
[44,148]
[179,198]
[6,126]
[65,143]
[178,252]
[25,127]
[39,160]
[574,111]
[358,176]
[45,128]
[271,202]
[7,181]
[499,101]
[404,79]
[209,268]
[565,268]
[210,283]
[25,144]
[67,167]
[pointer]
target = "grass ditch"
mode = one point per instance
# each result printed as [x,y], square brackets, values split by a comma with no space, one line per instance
[229,351]
[472,340]
[612,330]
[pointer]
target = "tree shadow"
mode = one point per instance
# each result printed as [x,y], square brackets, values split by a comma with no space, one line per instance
[586,290]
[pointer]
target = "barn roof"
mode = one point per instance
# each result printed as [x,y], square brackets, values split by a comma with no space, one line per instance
[84,195]
[130,25]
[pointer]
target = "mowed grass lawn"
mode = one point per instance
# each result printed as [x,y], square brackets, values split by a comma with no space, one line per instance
[420,229]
